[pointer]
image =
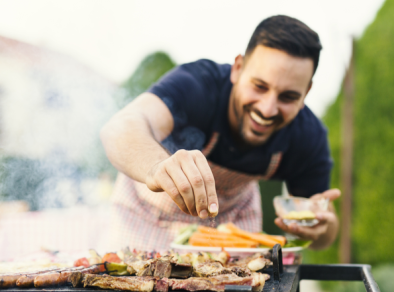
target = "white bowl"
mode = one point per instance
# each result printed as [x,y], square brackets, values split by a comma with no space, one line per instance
[284,205]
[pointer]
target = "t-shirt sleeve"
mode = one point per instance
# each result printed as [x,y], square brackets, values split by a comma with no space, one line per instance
[312,174]
[189,92]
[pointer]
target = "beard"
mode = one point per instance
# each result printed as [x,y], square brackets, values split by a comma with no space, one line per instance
[241,133]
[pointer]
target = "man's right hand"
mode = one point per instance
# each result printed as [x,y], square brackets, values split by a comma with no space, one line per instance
[187,178]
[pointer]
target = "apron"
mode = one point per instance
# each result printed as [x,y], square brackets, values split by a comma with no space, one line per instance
[146,220]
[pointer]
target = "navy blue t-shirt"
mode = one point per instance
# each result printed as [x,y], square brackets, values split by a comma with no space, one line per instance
[197,94]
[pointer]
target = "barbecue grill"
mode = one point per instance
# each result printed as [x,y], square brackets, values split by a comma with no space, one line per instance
[284,278]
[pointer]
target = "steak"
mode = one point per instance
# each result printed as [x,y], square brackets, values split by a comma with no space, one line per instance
[162,267]
[143,284]
[209,269]
[214,283]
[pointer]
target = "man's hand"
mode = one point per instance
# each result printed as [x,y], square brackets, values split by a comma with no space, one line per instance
[187,178]
[322,234]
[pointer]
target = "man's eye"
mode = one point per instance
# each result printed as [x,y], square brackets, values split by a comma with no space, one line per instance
[288,98]
[261,87]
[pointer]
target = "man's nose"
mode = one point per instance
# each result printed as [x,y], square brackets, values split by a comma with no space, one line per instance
[268,105]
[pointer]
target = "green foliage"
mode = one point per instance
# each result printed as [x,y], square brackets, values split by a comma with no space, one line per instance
[373,162]
[149,71]
[268,190]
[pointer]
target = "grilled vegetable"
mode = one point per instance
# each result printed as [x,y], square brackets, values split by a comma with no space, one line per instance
[111,257]
[82,262]
[116,269]
[185,233]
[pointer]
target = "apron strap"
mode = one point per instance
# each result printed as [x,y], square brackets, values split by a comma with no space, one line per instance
[273,166]
[211,144]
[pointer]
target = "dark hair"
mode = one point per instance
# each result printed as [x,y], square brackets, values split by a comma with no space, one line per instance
[287,34]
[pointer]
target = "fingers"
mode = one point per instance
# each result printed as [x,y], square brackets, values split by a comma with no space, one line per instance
[187,177]
[197,184]
[171,189]
[210,196]
[187,180]
[308,233]
[331,194]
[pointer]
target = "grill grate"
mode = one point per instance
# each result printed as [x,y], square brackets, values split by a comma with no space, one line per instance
[283,278]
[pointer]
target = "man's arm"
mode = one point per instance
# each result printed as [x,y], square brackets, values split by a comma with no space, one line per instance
[324,233]
[130,140]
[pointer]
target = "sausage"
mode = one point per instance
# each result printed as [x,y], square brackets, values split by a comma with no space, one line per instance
[11,280]
[8,281]
[54,278]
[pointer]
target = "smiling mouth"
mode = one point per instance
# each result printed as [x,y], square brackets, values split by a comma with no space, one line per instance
[260,121]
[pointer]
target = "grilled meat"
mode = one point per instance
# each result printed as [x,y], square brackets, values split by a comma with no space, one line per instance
[8,281]
[254,263]
[76,277]
[162,267]
[209,269]
[11,280]
[182,271]
[161,285]
[215,283]
[143,284]
[258,281]
[258,264]
[54,278]
[241,271]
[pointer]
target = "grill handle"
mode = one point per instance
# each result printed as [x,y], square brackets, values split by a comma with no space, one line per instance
[277,262]
[340,272]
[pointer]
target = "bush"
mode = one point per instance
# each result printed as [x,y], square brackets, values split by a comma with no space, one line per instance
[373,161]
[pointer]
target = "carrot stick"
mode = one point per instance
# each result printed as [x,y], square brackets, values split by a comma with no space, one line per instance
[261,238]
[279,238]
[225,237]
[217,243]
[209,230]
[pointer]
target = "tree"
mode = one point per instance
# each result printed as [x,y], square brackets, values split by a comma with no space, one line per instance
[373,163]
[147,73]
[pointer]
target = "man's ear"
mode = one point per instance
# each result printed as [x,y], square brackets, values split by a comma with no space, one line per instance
[236,69]
[309,87]
[307,91]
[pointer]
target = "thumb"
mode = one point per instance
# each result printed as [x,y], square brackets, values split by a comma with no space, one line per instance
[331,194]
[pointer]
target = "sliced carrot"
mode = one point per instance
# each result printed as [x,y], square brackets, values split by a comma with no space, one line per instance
[279,238]
[225,237]
[209,230]
[216,243]
[260,238]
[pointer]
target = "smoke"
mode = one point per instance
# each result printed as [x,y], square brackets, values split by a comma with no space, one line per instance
[52,108]
[183,136]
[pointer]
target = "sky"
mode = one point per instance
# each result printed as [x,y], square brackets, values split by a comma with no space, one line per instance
[113,36]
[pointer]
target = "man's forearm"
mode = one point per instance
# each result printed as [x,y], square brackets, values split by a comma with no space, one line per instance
[130,145]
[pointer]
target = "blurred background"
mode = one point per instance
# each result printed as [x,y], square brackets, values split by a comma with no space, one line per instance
[67,66]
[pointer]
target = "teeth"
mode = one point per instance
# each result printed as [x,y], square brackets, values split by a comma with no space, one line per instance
[259,120]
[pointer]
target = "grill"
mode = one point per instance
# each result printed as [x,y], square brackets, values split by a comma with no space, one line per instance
[287,278]
[284,278]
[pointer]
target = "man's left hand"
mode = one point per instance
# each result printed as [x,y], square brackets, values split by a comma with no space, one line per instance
[323,233]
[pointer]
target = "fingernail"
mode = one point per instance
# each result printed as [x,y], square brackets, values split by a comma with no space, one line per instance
[293,228]
[204,214]
[319,216]
[213,208]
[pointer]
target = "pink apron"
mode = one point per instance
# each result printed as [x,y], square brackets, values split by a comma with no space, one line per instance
[146,220]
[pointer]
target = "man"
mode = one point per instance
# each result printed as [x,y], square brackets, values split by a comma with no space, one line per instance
[198,141]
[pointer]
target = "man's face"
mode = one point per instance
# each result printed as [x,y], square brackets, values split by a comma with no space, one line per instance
[269,88]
